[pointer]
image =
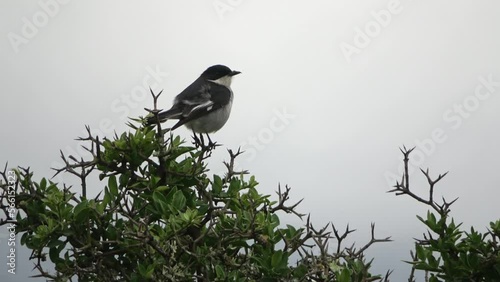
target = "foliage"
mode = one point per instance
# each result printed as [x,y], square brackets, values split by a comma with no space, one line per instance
[161,216]
[447,252]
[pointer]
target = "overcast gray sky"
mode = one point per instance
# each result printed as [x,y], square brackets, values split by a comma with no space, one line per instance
[328,92]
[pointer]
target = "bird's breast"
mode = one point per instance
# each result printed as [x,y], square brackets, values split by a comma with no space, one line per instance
[213,121]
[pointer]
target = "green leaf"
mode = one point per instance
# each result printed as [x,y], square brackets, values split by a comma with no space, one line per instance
[107,198]
[473,261]
[203,208]
[220,272]
[143,270]
[160,201]
[290,231]
[78,211]
[275,221]
[421,219]
[423,266]
[54,255]
[276,258]
[335,267]
[431,220]
[54,243]
[113,187]
[433,279]
[234,187]
[179,201]
[100,208]
[24,237]
[420,252]
[217,185]
[43,184]
[300,271]
[124,178]
[252,182]
[345,276]
[161,188]
[149,271]
[432,261]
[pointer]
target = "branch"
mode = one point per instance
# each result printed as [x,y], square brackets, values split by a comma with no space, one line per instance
[283,198]
[403,187]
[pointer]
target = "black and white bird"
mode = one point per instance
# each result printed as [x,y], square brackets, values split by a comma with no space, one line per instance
[205,105]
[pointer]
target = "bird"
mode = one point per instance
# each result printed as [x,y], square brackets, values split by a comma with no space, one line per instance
[205,105]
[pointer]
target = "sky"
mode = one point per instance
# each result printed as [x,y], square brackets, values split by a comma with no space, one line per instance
[329,92]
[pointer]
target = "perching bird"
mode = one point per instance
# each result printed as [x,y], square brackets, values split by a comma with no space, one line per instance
[205,105]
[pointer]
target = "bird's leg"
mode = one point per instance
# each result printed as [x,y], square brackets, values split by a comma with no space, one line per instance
[202,140]
[197,141]
[210,143]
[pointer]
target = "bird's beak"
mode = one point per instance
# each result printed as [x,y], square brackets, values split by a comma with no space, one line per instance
[233,73]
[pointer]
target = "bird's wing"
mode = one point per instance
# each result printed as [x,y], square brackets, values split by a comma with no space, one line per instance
[183,103]
[173,113]
[210,97]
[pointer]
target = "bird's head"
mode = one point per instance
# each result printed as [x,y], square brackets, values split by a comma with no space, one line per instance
[219,74]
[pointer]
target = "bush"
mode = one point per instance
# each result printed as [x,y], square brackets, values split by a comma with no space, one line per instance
[446,252]
[162,217]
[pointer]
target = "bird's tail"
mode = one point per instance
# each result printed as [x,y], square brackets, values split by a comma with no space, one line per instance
[163,116]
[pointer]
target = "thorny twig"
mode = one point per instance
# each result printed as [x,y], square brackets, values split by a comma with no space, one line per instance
[230,165]
[403,187]
[283,196]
